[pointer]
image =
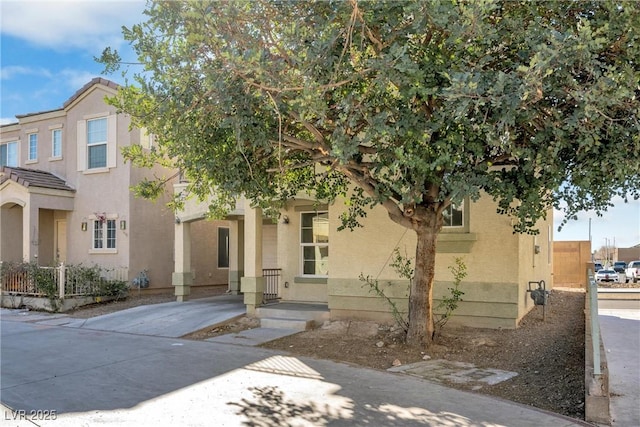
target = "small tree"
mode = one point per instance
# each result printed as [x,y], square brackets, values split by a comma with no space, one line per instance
[415,104]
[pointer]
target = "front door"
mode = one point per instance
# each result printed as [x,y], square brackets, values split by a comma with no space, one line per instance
[61,241]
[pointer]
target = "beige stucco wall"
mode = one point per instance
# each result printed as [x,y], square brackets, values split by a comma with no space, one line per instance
[145,238]
[97,192]
[499,265]
[292,286]
[204,253]
[11,232]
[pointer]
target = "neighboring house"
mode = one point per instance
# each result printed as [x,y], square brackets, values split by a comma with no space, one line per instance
[65,195]
[318,264]
[629,254]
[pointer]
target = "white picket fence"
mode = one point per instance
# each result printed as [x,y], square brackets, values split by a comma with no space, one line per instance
[75,283]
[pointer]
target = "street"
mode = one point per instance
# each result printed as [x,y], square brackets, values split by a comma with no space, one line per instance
[63,376]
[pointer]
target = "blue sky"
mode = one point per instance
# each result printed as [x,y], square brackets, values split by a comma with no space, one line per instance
[46,54]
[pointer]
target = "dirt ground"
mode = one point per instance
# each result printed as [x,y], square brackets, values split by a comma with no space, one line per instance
[548,355]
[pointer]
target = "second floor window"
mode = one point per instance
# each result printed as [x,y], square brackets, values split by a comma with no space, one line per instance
[104,234]
[56,143]
[33,146]
[9,154]
[97,143]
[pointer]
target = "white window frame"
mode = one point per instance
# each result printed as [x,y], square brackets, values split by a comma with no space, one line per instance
[32,147]
[82,145]
[100,228]
[16,148]
[317,245]
[450,208]
[98,142]
[56,154]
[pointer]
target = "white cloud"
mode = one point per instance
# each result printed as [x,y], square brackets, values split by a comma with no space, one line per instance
[14,71]
[67,24]
[7,120]
[75,79]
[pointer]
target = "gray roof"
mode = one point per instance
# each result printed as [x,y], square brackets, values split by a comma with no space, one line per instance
[33,178]
[93,82]
[79,92]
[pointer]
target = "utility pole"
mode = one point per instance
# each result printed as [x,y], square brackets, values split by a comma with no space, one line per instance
[590,243]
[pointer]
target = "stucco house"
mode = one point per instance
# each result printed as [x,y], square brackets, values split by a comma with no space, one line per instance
[65,195]
[319,265]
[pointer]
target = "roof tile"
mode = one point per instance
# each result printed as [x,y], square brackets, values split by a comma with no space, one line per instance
[33,178]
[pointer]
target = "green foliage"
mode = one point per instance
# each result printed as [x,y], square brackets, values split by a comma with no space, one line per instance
[79,280]
[534,103]
[403,266]
[44,280]
[374,286]
[111,288]
[450,302]
[414,104]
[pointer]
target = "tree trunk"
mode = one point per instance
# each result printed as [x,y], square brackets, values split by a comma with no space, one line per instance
[421,326]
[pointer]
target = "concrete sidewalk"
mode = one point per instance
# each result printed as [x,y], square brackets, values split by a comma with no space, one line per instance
[112,378]
[620,328]
[173,320]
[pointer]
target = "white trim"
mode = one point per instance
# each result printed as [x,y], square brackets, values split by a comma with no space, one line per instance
[81,145]
[301,246]
[96,115]
[29,158]
[103,251]
[53,139]
[95,170]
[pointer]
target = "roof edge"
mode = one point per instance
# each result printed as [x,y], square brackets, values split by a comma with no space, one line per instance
[83,89]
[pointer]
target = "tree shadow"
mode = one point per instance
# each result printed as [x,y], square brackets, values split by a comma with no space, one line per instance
[270,408]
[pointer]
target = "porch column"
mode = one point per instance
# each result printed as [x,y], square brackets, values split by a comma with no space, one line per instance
[236,255]
[252,284]
[30,232]
[181,277]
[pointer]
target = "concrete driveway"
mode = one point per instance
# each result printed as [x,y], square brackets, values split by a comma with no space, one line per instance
[86,377]
[171,319]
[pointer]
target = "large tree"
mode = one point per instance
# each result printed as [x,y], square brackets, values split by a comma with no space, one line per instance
[410,105]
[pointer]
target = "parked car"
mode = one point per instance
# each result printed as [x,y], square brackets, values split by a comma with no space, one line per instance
[620,266]
[607,275]
[597,266]
[633,271]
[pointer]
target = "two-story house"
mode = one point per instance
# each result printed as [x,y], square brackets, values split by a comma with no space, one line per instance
[65,195]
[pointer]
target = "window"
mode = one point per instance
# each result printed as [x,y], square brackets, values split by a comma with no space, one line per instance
[9,154]
[97,148]
[314,243]
[453,216]
[33,147]
[56,143]
[104,234]
[97,143]
[223,247]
